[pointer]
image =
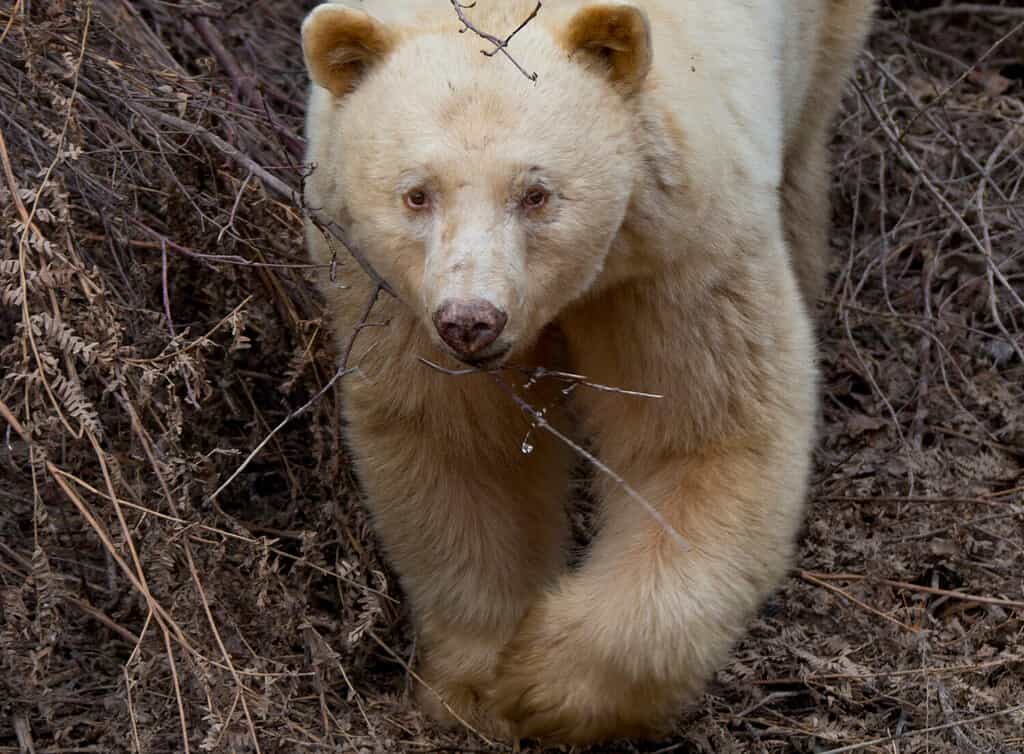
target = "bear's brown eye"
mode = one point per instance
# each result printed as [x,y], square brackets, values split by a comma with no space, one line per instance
[535,198]
[417,199]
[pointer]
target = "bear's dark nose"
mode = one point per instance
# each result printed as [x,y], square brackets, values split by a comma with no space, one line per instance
[468,327]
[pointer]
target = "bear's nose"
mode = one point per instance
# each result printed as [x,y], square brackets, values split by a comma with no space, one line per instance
[468,327]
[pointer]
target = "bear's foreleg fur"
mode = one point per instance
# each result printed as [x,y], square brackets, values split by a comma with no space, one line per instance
[474,527]
[618,647]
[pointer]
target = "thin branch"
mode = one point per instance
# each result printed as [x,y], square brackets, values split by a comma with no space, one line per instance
[811,578]
[272,182]
[921,731]
[147,446]
[171,245]
[164,290]
[994,272]
[1015,604]
[961,78]
[974,9]
[538,373]
[230,224]
[253,541]
[500,45]
[342,370]
[395,656]
[211,38]
[539,421]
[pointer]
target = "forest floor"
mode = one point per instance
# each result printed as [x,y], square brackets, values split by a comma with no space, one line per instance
[164,588]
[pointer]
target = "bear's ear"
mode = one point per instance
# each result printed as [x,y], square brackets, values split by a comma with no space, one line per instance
[617,37]
[340,44]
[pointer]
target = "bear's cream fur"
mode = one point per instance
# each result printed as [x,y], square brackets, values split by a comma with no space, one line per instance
[678,150]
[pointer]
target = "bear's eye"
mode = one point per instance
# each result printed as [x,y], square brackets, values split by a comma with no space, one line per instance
[535,198]
[417,199]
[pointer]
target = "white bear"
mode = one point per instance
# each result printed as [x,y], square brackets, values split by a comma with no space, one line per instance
[656,203]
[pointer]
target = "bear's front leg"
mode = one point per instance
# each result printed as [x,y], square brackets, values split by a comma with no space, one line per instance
[617,648]
[474,526]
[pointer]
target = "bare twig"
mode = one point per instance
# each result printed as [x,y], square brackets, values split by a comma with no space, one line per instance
[163,287]
[973,9]
[243,89]
[397,658]
[813,579]
[994,272]
[500,45]
[536,374]
[162,242]
[963,76]
[538,420]
[923,731]
[342,370]
[169,498]
[1016,604]
[273,183]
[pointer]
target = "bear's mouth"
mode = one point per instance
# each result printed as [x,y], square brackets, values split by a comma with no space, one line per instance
[491,360]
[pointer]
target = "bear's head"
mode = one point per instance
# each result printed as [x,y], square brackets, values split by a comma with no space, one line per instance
[489,201]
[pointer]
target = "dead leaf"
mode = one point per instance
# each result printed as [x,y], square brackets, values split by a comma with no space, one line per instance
[858,424]
[991,80]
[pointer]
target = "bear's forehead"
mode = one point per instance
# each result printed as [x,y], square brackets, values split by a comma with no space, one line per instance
[430,66]
[438,105]
[472,99]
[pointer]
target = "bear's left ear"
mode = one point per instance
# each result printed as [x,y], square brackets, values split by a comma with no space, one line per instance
[616,37]
[340,44]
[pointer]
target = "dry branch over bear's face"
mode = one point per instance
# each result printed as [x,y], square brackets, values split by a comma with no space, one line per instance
[489,201]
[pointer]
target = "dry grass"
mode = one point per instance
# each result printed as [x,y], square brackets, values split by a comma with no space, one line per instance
[157,323]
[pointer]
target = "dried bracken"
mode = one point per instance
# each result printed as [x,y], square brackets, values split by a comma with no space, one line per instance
[157,325]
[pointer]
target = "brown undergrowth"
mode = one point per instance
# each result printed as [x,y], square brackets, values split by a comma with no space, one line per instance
[157,324]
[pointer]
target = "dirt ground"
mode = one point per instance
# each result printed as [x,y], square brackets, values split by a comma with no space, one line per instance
[164,587]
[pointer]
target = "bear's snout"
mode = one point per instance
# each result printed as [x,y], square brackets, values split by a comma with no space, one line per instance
[469,326]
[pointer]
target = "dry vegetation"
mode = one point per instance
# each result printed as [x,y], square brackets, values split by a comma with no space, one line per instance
[157,323]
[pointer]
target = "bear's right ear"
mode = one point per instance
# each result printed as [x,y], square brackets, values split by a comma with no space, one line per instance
[340,44]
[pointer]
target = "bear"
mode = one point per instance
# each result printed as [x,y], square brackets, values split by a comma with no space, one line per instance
[636,193]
